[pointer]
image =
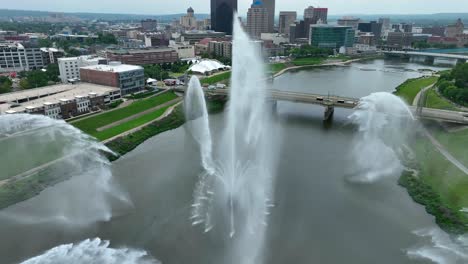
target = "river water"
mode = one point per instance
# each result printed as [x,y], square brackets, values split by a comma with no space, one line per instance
[318,217]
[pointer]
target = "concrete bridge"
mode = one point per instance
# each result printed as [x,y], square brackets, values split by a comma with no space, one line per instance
[330,102]
[428,57]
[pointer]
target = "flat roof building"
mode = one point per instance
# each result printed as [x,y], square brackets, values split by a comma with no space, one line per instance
[70,67]
[59,101]
[143,56]
[129,78]
[327,36]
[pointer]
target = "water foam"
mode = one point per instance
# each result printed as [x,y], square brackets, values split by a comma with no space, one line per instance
[92,251]
[443,248]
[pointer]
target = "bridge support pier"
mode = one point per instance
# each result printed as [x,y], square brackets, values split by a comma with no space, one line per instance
[329,110]
[273,104]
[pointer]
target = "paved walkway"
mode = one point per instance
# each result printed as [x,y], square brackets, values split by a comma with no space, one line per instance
[130,118]
[167,113]
[445,153]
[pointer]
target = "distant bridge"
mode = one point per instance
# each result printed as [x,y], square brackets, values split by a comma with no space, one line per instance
[330,102]
[428,57]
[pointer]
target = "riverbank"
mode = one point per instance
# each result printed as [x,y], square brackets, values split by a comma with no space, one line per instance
[316,64]
[436,179]
[125,143]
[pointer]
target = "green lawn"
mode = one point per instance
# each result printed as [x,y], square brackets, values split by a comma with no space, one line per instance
[114,131]
[277,67]
[307,61]
[410,88]
[448,181]
[434,100]
[455,143]
[90,125]
[217,78]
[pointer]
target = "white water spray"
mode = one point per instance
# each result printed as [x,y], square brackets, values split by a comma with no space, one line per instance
[197,122]
[383,120]
[92,251]
[48,152]
[443,249]
[237,195]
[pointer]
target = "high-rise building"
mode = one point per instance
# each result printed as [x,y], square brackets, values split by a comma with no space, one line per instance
[257,19]
[309,12]
[385,21]
[189,21]
[371,27]
[316,15]
[270,6]
[222,14]
[349,22]
[286,18]
[455,30]
[149,25]
[327,36]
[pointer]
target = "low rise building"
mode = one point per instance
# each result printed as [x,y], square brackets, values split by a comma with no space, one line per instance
[220,48]
[142,56]
[156,39]
[399,40]
[129,78]
[276,38]
[70,67]
[197,35]
[51,55]
[59,101]
[184,50]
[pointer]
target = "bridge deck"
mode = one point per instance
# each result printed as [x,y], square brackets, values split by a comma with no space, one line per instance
[347,102]
[428,54]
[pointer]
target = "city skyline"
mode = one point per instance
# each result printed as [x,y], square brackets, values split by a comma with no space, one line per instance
[147,7]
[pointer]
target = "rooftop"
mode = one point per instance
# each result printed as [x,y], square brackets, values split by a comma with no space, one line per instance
[72,91]
[113,68]
[135,51]
[36,92]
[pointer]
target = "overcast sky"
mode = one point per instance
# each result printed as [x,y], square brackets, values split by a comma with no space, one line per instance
[156,7]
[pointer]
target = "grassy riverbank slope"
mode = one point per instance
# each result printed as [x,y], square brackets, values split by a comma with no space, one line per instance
[411,87]
[125,144]
[439,185]
[93,125]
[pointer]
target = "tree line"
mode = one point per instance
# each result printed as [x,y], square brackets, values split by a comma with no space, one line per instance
[454,84]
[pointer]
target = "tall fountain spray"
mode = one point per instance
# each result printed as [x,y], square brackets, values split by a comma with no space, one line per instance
[235,197]
[48,152]
[196,115]
[382,119]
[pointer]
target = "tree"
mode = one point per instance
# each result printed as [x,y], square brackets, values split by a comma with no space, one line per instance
[106,38]
[36,79]
[53,72]
[24,84]
[45,43]
[460,75]
[5,84]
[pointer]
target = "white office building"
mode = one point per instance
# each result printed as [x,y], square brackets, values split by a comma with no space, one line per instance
[70,67]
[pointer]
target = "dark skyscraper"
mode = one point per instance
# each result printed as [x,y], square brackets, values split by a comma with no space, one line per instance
[222,12]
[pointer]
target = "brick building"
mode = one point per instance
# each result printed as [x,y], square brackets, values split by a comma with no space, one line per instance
[129,78]
[143,56]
